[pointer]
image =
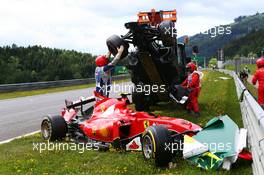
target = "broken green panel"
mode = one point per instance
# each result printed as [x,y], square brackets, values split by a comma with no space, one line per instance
[220,136]
[207,161]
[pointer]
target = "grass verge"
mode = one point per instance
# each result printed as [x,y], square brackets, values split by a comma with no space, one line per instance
[15,94]
[249,86]
[251,67]
[253,91]
[217,97]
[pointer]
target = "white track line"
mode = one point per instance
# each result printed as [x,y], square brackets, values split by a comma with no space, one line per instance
[25,135]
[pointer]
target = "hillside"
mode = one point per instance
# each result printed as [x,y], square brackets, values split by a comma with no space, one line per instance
[253,42]
[243,25]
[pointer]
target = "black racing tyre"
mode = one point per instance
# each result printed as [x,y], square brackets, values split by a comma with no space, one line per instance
[53,128]
[141,101]
[156,143]
[115,41]
[168,33]
[177,146]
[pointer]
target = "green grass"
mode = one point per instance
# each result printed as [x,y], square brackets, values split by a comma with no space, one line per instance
[230,67]
[251,67]
[15,94]
[250,87]
[253,91]
[216,98]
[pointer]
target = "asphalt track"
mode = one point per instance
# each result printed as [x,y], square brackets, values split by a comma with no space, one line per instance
[23,115]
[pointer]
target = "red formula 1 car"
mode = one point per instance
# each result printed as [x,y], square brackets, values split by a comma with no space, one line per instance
[110,122]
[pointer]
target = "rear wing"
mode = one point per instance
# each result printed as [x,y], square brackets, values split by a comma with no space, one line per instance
[82,101]
[153,18]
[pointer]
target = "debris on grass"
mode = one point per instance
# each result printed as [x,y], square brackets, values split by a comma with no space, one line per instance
[224,78]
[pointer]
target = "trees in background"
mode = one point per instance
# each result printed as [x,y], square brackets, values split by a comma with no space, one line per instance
[213,62]
[250,45]
[36,63]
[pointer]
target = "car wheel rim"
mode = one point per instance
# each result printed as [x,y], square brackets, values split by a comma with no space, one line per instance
[147,147]
[46,129]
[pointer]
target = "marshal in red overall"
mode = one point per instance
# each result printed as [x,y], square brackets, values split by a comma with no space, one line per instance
[259,76]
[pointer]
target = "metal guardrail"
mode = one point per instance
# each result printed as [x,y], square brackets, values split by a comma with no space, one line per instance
[50,84]
[253,120]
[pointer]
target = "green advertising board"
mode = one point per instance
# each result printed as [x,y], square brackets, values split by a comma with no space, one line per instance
[120,70]
[199,60]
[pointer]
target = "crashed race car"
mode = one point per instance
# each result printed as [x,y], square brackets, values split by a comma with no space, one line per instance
[157,58]
[109,122]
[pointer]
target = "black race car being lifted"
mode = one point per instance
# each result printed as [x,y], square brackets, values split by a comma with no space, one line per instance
[157,58]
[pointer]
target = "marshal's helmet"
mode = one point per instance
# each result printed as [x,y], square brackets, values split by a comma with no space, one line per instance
[101,61]
[260,62]
[191,67]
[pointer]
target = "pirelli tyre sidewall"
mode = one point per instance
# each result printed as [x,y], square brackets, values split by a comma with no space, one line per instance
[53,128]
[154,141]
